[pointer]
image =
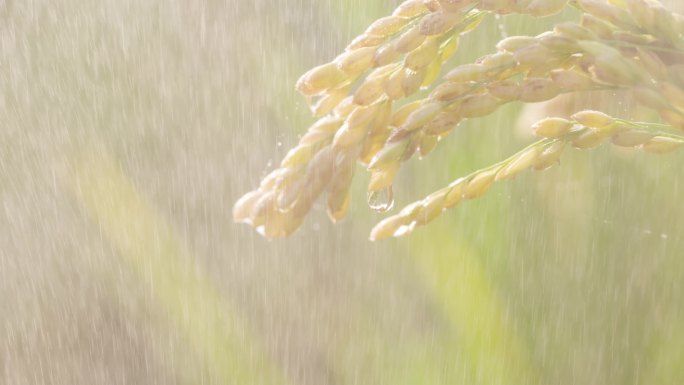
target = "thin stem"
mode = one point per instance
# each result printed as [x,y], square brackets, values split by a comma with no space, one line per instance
[645,125]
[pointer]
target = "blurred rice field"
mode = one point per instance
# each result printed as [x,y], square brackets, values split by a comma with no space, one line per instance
[129,128]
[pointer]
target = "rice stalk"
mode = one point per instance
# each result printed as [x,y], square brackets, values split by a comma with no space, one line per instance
[631,45]
[587,129]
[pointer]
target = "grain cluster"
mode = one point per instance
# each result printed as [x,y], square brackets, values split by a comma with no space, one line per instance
[364,118]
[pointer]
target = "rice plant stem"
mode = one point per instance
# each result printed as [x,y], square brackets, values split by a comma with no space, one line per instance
[646,125]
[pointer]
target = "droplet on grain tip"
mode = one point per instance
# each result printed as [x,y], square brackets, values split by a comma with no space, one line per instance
[381,201]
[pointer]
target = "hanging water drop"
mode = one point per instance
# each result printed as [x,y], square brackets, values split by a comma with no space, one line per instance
[382,200]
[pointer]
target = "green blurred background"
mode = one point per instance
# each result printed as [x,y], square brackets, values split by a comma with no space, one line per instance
[129,128]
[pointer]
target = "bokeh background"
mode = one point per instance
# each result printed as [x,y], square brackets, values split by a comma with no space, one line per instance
[129,128]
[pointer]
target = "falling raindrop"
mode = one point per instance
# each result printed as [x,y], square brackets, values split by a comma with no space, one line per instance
[382,200]
[502,27]
[261,230]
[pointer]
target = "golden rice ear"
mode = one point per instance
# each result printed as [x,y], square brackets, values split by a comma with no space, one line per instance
[653,64]
[521,163]
[299,155]
[455,5]
[244,206]
[534,90]
[673,94]
[387,26]
[539,156]
[432,72]
[499,6]
[365,40]
[287,197]
[439,22]
[450,91]
[533,56]
[443,123]
[514,43]
[475,106]
[328,102]
[323,129]
[393,85]
[559,44]
[479,184]
[427,144]
[540,8]
[631,138]
[601,28]
[383,178]
[369,92]
[505,90]
[345,107]
[356,61]
[572,80]
[430,208]
[662,145]
[320,79]
[450,48]
[594,119]
[412,80]
[674,118]
[387,228]
[549,156]
[385,55]
[338,192]
[589,139]
[651,98]
[421,116]
[575,31]
[389,155]
[455,193]
[467,72]
[608,13]
[410,9]
[552,127]
[409,40]
[432,5]
[401,114]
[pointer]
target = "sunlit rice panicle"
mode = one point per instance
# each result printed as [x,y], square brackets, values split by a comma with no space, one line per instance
[590,129]
[353,95]
[534,69]
[631,45]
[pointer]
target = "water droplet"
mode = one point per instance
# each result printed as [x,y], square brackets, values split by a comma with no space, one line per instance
[502,27]
[261,230]
[382,200]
